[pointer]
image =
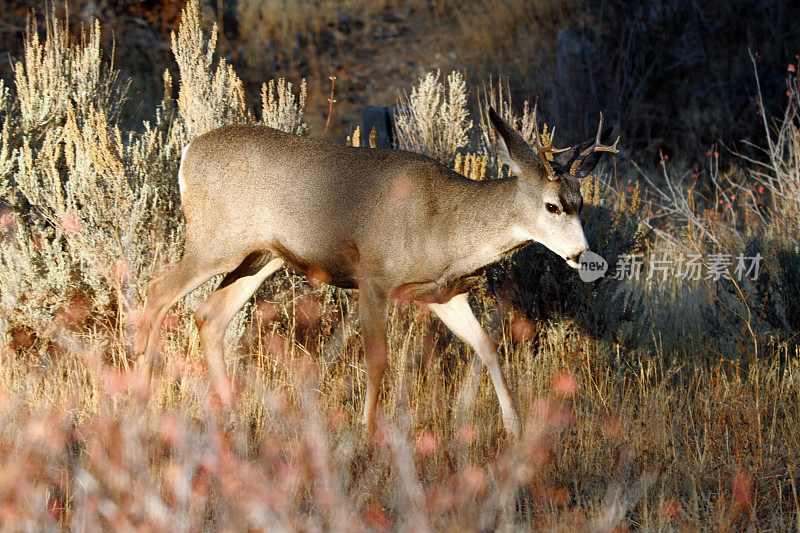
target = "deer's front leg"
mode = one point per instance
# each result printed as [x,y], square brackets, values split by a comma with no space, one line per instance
[458,316]
[372,314]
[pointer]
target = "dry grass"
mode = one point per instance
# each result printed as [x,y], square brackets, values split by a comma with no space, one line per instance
[648,403]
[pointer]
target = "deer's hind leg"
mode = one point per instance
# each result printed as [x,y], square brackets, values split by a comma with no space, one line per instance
[163,292]
[216,313]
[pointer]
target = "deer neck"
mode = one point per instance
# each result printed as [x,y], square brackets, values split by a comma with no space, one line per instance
[494,229]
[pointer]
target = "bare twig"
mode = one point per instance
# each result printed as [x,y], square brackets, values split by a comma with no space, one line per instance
[331,101]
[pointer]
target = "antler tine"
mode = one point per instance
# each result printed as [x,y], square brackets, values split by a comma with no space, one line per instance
[598,146]
[555,150]
[542,148]
[536,124]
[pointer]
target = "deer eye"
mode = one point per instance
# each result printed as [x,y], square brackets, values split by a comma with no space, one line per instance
[551,208]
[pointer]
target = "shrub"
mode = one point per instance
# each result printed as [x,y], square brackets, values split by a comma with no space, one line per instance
[84,193]
[281,108]
[208,98]
[96,208]
[434,119]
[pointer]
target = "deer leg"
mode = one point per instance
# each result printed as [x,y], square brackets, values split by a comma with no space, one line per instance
[216,313]
[458,316]
[372,315]
[344,332]
[162,293]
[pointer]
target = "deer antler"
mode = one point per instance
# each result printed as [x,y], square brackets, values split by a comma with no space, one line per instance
[596,147]
[544,144]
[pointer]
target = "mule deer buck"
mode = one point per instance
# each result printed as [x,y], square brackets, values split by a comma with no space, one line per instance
[387,222]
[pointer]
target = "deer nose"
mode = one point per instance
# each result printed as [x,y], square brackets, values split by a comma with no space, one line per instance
[573,260]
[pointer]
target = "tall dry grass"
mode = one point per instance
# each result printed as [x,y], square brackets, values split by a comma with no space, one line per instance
[649,403]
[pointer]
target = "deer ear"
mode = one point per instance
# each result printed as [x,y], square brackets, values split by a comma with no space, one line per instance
[512,149]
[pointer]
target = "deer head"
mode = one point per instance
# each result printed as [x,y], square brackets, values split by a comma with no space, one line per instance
[549,196]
